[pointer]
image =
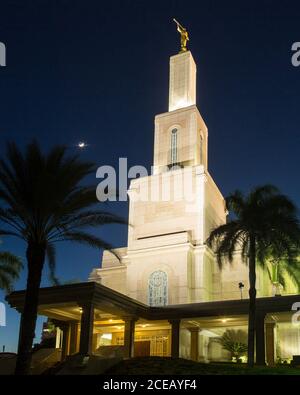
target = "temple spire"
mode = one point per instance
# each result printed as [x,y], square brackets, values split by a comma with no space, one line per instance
[182,84]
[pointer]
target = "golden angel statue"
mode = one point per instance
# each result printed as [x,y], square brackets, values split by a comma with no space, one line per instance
[184,37]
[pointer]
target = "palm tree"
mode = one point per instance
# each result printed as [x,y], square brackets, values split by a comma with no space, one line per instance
[263,220]
[234,341]
[45,203]
[10,267]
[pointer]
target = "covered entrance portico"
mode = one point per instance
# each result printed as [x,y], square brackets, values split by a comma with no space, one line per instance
[94,319]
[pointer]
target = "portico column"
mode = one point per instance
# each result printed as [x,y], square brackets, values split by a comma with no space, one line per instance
[65,327]
[58,337]
[175,333]
[74,330]
[270,343]
[194,343]
[86,329]
[260,338]
[129,328]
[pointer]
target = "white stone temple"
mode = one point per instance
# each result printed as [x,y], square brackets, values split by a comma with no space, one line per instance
[167,261]
[166,295]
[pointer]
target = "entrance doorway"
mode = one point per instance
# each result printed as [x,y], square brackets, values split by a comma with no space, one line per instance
[142,348]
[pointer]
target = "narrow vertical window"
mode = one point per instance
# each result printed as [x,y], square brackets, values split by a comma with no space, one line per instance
[158,289]
[201,149]
[174,146]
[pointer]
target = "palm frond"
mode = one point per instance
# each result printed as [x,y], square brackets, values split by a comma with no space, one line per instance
[10,267]
[235,203]
[224,240]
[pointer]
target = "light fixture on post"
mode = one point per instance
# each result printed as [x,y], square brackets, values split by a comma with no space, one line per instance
[241,286]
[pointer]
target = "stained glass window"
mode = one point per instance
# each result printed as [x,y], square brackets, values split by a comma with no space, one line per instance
[158,289]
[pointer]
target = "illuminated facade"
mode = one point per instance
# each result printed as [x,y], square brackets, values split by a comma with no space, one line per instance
[166,295]
[176,208]
[167,261]
[173,211]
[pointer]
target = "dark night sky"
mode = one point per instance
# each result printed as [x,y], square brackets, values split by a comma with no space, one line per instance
[99,72]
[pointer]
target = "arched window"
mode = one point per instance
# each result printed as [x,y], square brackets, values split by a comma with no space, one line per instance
[158,289]
[174,146]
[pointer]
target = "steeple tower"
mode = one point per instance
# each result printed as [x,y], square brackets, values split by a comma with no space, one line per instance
[173,210]
[181,133]
[182,86]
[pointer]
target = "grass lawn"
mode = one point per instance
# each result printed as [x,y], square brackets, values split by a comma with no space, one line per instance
[160,365]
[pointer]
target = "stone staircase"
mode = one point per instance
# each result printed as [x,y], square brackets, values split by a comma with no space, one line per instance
[87,365]
[44,359]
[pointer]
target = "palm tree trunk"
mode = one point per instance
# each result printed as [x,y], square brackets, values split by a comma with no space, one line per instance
[252,301]
[35,259]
